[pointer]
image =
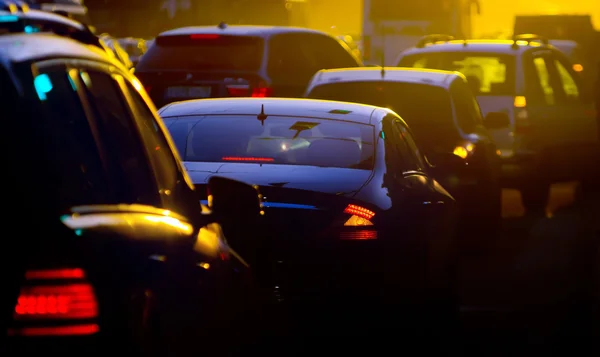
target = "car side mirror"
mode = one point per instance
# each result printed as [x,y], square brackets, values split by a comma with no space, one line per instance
[236,206]
[496,120]
[233,200]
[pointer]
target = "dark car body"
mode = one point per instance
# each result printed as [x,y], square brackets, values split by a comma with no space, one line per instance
[442,112]
[237,61]
[115,240]
[374,226]
[32,21]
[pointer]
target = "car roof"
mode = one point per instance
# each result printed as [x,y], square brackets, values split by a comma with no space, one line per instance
[43,16]
[492,46]
[323,109]
[21,47]
[391,74]
[238,30]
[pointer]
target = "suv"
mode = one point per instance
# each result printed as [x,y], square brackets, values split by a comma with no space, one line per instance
[443,114]
[109,236]
[553,135]
[237,61]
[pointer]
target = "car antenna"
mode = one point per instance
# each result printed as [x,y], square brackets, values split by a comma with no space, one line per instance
[262,116]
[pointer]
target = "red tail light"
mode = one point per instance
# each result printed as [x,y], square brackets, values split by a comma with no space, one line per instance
[262,92]
[359,211]
[51,296]
[358,226]
[248,159]
[238,90]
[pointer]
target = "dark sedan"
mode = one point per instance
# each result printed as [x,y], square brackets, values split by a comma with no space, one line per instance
[352,213]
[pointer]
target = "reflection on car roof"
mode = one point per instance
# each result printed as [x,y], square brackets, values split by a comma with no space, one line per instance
[392,74]
[273,106]
[27,47]
[493,46]
[45,16]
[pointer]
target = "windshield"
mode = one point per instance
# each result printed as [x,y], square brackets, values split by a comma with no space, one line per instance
[204,52]
[426,109]
[281,140]
[489,74]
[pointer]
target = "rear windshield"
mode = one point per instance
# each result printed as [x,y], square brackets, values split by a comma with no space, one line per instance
[281,140]
[204,51]
[426,109]
[489,74]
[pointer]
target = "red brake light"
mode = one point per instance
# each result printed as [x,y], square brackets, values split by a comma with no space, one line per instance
[359,211]
[56,295]
[249,159]
[204,36]
[262,92]
[238,90]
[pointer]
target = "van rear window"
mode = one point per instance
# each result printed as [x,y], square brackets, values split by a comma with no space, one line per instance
[204,52]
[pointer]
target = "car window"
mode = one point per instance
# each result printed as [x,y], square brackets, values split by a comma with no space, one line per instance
[570,89]
[543,77]
[122,138]
[204,52]
[66,150]
[468,114]
[291,59]
[331,53]
[395,160]
[488,73]
[159,150]
[427,109]
[412,152]
[277,140]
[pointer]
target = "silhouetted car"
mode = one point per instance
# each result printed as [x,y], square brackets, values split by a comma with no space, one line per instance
[111,249]
[442,112]
[352,212]
[237,61]
[552,136]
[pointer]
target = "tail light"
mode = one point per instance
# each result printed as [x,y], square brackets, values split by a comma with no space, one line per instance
[522,123]
[464,150]
[238,90]
[359,225]
[57,302]
[262,92]
[243,90]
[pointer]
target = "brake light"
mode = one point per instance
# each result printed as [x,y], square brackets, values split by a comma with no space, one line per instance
[204,36]
[577,67]
[262,92]
[50,296]
[252,159]
[463,151]
[522,123]
[359,211]
[238,90]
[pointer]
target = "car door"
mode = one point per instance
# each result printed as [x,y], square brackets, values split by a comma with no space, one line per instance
[575,110]
[541,93]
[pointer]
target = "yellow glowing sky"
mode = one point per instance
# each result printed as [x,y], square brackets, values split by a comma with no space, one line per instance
[499,14]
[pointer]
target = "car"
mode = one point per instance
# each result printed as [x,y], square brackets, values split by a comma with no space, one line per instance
[19,19]
[352,213]
[110,240]
[552,135]
[237,61]
[441,110]
[577,56]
